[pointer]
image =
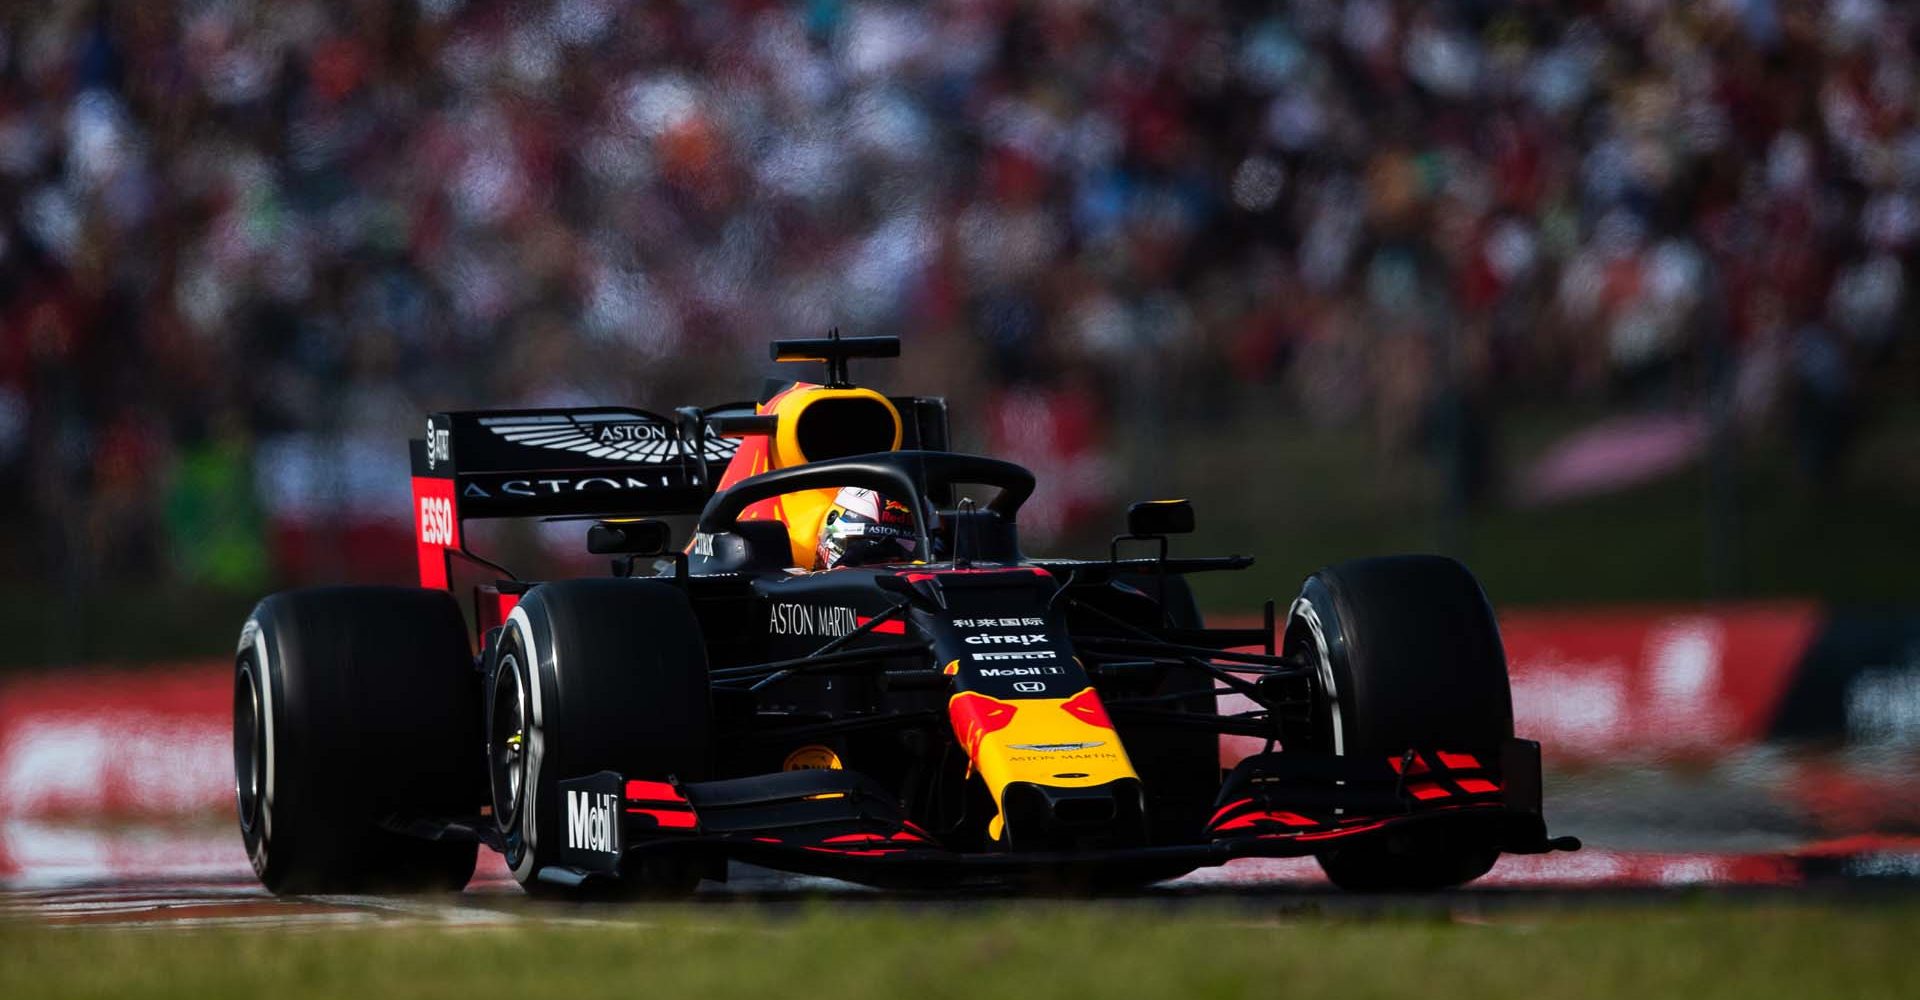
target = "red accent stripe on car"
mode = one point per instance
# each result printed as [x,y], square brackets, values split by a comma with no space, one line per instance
[975,715]
[1086,707]
[1419,764]
[503,605]
[874,838]
[1229,807]
[655,791]
[1287,818]
[668,819]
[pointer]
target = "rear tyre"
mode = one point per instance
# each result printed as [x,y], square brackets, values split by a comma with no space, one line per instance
[590,676]
[1407,654]
[354,705]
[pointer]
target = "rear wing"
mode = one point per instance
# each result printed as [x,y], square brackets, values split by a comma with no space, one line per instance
[560,462]
[601,461]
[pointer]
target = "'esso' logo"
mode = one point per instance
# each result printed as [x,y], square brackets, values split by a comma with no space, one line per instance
[436,521]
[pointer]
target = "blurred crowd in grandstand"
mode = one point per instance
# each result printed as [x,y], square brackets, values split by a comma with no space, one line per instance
[245,244]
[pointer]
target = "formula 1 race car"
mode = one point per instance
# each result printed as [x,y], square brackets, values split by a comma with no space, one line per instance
[940,711]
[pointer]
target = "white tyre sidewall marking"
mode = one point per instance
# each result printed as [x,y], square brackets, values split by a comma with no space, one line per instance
[252,635]
[535,742]
[1303,610]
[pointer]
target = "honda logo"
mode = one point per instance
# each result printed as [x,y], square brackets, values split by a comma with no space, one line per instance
[1029,687]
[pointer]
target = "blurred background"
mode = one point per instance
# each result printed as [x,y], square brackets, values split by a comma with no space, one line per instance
[1610,299]
[1613,299]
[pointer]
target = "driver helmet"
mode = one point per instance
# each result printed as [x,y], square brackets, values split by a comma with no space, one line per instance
[862,528]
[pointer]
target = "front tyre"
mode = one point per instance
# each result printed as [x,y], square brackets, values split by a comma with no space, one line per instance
[354,705]
[590,676]
[1407,654]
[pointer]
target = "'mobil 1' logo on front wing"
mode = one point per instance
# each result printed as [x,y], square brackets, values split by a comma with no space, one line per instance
[591,822]
[591,811]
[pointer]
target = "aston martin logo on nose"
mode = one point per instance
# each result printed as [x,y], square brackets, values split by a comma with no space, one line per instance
[1056,747]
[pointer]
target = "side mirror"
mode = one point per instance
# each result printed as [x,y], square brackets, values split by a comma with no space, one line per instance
[1150,518]
[641,537]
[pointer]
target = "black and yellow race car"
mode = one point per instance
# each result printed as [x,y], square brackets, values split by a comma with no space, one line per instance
[920,703]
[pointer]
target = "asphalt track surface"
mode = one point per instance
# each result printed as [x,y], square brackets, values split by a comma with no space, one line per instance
[199,894]
[237,901]
[1759,826]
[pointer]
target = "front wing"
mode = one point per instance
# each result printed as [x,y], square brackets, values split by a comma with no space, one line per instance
[842,824]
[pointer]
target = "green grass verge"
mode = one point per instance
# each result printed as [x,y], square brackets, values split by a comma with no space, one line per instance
[1041,950]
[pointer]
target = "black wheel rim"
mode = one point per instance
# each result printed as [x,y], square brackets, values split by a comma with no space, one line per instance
[507,748]
[249,745]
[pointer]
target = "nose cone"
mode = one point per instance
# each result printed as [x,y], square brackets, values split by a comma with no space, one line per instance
[1043,817]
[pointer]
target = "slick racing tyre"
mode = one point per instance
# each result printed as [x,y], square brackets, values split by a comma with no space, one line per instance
[1406,654]
[355,706]
[592,676]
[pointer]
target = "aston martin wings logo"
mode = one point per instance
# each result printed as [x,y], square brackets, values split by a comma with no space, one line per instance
[617,436]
